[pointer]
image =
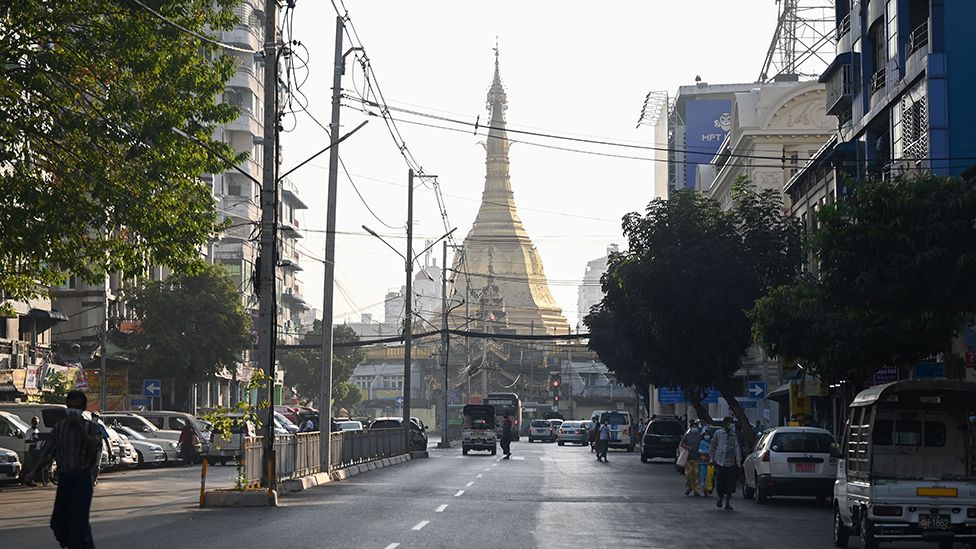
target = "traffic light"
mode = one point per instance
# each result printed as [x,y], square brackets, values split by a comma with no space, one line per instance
[556,382]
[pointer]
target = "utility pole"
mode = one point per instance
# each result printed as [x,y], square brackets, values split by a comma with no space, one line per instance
[408,312]
[267,311]
[103,372]
[445,345]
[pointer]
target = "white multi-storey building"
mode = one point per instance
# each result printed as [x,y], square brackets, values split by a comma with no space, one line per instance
[590,291]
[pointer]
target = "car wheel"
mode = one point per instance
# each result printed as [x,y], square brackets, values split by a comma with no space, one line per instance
[561,443]
[643,458]
[630,448]
[464,451]
[945,544]
[761,496]
[139,459]
[868,541]
[841,532]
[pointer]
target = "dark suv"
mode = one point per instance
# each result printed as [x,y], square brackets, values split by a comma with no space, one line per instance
[661,438]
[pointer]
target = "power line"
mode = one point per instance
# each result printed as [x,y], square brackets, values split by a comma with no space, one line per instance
[189,31]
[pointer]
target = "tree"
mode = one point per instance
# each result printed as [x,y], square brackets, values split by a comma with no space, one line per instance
[303,367]
[674,310]
[192,326]
[93,179]
[346,394]
[895,268]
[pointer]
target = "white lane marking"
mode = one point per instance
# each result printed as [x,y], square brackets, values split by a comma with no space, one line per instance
[487,469]
[517,458]
[458,494]
[392,546]
[441,508]
[479,475]
[458,457]
[420,525]
[470,484]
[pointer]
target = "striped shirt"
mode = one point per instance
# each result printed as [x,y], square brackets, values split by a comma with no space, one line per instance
[75,443]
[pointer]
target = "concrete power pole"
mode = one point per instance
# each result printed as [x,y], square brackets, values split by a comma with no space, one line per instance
[267,311]
[445,346]
[408,310]
[325,393]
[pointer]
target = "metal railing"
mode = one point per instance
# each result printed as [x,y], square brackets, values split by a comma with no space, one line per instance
[878,80]
[919,38]
[298,455]
[352,447]
[844,27]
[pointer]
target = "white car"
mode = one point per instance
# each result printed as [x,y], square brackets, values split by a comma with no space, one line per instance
[150,450]
[127,455]
[9,466]
[350,425]
[791,461]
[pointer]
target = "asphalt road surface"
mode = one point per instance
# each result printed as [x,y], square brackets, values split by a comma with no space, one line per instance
[546,496]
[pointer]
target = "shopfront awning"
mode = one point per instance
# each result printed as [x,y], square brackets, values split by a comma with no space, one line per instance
[44,319]
[779,392]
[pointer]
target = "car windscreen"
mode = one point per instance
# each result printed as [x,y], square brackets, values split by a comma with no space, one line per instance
[16,422]
[672,428]
[571,425]
[617,418]
[385,424]
[350,425]
[540,423]
[130,432]
[813,443]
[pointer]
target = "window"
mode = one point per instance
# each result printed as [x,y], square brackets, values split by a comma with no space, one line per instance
[671,428]
[891,18]
[909,432]
[157,421]
[814,443]
[617,418]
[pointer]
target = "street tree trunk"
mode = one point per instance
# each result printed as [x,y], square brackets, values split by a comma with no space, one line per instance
[700,408]
[740,415]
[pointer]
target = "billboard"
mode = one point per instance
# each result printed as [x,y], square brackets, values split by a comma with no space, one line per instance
[707,122]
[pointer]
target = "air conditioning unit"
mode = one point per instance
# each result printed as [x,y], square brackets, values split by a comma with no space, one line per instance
[18,361]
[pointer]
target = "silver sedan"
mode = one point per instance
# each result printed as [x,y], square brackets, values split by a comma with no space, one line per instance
[574,432]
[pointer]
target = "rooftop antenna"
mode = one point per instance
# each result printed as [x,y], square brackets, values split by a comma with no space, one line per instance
[803,42]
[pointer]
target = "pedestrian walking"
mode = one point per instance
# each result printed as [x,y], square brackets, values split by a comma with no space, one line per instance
[76,445]
[690,442]
[594,434]
[603,444]
[188,444]
[703,461]
[725,453]
[507,436]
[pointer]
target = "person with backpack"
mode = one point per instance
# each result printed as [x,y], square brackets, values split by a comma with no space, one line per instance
[75,444]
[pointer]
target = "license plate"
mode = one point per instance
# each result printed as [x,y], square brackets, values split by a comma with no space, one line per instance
[806,468]
[934,522]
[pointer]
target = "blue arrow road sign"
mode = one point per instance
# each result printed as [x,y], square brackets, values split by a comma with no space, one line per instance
[757,389]
[399,401]
[151,388]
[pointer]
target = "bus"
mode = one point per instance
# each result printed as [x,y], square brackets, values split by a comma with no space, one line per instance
[506,402]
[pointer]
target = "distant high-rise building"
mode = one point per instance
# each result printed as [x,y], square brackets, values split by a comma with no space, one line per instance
[498,241]
[590,291]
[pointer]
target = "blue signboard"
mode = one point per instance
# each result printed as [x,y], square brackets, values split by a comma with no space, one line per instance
[141,403]
[757,389]
[929,370]
[399,401]
[151,388]
[707,122]
[747,403]
[668,395]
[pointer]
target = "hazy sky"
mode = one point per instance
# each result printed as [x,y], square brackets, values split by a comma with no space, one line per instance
[570,67]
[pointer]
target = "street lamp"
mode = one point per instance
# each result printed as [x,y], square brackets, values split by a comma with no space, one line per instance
[408,304]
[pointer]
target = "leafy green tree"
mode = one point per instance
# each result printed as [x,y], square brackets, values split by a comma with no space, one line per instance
[674,310]
[346,394]
[94,180]
[192,326]
[895,266]
[303,367]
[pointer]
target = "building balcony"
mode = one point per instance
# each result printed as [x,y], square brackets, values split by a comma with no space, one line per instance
[844,38]
[240,207]
[919,38]
[290,228]
[878,80]
[840,90]
[246,122]
[245,37]
[246,78]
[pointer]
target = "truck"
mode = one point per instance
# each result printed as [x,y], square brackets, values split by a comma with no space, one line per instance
[478,429]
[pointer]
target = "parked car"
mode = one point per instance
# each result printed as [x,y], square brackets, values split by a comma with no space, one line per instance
[48,415]
[350,425]
[907,466]
[13,434]
[10,466]
[541,429]
[168,447]
[140,424]
[123,454]
[791,461]
[661,438]
[174,421]
[418,438]
[284,426]
[574,432]
[620,427]
[224,449]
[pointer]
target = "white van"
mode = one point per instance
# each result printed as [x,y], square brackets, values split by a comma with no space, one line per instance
[13,435]
[165,420]
[620,427]
[908,467]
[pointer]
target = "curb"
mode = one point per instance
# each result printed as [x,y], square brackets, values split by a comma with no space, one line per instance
[346,473]
[240,498]
[304,483]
